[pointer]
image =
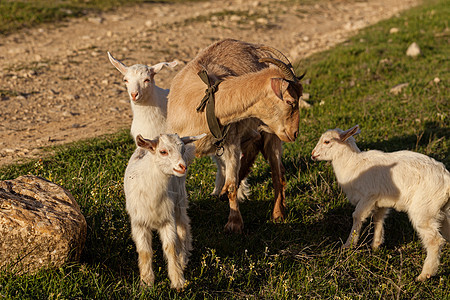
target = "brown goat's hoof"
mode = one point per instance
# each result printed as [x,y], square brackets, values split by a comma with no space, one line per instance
[231,227]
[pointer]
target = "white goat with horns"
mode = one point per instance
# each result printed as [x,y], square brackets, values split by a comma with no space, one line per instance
[375,181]
[156,199]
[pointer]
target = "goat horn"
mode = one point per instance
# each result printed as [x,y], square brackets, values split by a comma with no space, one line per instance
[278,54]
[288,73]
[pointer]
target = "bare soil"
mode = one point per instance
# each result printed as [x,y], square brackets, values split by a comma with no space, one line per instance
[57,85]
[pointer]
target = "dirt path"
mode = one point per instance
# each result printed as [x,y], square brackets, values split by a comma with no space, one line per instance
[57,85]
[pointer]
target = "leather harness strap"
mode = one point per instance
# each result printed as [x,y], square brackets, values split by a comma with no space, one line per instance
[219,132]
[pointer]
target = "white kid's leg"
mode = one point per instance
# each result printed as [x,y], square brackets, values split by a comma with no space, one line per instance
[378,221]
[362,211]
[142,236]
[169,239]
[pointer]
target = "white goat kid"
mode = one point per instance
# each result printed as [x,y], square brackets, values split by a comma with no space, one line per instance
[375,181]
[148,101]
[156,199]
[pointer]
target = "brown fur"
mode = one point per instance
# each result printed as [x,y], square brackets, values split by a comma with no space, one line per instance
[252,97]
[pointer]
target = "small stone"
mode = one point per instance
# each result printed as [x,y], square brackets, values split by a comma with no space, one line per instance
[96,20]
[305,96]
[262,21]
[71,97]
[436,80]
[20,98]
[394,30]
[235,18]
[413,50]
[398,88]
[149,23]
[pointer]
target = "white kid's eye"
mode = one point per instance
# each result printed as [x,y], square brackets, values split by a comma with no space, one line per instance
[163,152]
[147,80]
[326,142]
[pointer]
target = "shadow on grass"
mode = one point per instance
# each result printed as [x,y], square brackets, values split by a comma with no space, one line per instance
[432,131]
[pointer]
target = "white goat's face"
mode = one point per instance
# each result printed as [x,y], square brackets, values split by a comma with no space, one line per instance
[139,81]
[138,78]
[168,151]
[332,139]
[327,141]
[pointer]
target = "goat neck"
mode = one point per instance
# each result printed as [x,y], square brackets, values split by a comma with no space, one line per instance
[237,97]
[345,162]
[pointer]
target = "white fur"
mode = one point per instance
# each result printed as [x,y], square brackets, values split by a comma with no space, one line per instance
[149,106]
[375,181]
[148,101]
[156,199]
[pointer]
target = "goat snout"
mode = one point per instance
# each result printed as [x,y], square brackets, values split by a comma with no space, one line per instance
[134,95]
[181,169]
[314,156]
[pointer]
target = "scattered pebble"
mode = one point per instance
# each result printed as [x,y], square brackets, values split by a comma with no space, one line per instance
[413,50]
[305,96]
[96,20]
[262,21]
[394,30]
[398,88]
[235,18]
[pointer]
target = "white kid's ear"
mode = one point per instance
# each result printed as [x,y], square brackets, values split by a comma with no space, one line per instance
[118,64]
[190,139]
[350,132]
[156,68]
[150,145]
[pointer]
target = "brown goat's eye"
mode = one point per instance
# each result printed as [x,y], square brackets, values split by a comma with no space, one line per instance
[326,142]
[163,152]
[126,81]
[290,103]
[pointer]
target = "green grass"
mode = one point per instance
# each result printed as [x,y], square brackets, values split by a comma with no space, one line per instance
[300,258]
[17,14]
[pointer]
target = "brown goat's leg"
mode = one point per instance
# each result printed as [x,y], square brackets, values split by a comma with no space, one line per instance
[235,223]
[232,165]
[250,150]
[273,151]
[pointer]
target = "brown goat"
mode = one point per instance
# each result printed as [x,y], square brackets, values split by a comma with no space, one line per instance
[260,102]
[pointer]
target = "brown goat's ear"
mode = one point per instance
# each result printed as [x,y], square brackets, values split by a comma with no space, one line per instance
[350,132]
[150,145]
[279,86]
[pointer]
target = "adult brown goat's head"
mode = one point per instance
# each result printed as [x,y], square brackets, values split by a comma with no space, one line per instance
[281,115]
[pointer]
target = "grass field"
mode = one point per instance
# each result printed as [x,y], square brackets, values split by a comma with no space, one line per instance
[17,14]
[300,258]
